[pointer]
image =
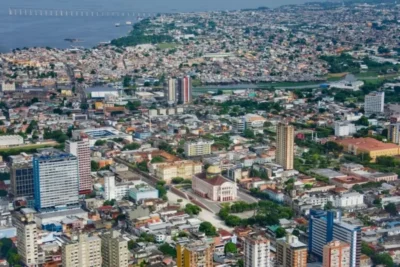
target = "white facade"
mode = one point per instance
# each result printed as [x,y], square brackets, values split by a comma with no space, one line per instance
[82,251]
[221,190]
[26,237]
[257,252]
[344,128]
[11,140]
[8,86]
[115,191]
[56,180]
[351,199]
[374,103]
[109,187]
[172,92]
[198,148]
[81,150]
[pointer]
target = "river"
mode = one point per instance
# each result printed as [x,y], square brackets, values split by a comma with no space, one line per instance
[31,31]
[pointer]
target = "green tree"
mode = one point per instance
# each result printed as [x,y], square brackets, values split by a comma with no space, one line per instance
[362,121]
[94,166]
[392,209]
[192,209]
[131,146]
[157,159]
[166,249]
[100,142]
[383,258]
[131,244]
[280,232]
[208,229]
[248,133]
[230,248]
[328,205]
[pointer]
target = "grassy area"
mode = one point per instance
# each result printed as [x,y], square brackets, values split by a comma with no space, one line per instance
[288,84]
[27,147]
[163,46]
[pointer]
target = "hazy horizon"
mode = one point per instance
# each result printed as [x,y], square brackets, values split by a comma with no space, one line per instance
[147,5]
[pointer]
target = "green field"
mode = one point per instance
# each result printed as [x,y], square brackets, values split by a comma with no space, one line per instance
[26,148]
[163,46]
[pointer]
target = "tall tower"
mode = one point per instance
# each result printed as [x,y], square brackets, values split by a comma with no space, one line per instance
[285,146]
[336,254]
[256,252]
[81,150]
[185,90]
[81,250]
[290,252]
[27,248]
[172,91]
[56,180]
[114,250]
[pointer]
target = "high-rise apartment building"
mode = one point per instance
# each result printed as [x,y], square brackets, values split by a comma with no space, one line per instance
[394,133]
[324,228]
[290,252]
[374,103]
[195,254]
[27,247]
[114,250]
[21,179]
[256,252]
[81,251]
[172,91]
[81,150]
[285,146]
[56,180]
[185,90]
[198,148]
[336,254]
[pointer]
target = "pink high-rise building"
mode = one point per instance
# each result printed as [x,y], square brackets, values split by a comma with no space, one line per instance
[81,150]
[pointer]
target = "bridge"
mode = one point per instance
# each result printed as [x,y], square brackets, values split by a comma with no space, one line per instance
[16,11]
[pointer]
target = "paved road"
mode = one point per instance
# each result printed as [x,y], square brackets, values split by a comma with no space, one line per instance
[204,215]
[242,195]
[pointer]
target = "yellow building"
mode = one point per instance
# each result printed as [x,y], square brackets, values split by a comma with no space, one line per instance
[370,146]
[195,254]
[98,105]
[290,252]
[198,148]
[184,169]
[285,146]
[66,92]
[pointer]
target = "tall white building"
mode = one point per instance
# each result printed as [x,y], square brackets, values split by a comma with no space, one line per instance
[394,133]
[27,247]
[109,187]
[374,103]
[81,250]
[113,190]
[198,148]
[56,180]
[172,91]
[81,150]
[114,250]
[256,252]
[344,128]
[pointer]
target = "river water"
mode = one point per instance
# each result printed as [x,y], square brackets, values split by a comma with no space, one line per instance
[30,31]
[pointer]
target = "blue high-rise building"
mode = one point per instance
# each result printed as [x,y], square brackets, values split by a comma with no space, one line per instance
[325,227]
[56,180]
